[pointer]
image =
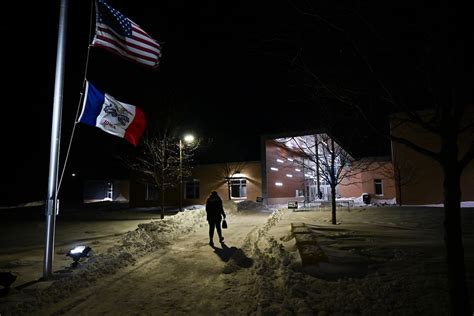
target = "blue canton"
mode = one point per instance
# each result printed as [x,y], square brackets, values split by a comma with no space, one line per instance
[114,19]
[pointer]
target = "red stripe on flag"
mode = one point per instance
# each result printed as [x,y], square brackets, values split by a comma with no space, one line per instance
[122,49]
[124,41]
[136,128]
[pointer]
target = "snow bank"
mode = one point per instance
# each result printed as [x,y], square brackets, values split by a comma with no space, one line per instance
[383,202]
[400,285]
[248,205]
[146,238]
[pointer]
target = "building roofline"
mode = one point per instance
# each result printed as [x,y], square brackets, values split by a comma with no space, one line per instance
[226,162]
[308,132]
[295,133]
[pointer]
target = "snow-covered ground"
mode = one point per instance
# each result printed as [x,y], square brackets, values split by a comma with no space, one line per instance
[380,261]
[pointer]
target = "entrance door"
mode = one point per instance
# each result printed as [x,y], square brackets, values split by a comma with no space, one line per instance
[313,192]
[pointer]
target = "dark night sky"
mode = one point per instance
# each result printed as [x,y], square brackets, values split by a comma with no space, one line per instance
[226,65]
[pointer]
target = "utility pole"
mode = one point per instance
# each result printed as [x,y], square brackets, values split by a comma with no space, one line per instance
[188,139]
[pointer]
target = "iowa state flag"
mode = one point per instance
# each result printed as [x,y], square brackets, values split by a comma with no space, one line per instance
[101,110]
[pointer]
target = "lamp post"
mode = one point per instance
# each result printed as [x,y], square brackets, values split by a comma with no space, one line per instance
[187,139]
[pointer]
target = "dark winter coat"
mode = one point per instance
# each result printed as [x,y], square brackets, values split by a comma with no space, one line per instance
[214,208]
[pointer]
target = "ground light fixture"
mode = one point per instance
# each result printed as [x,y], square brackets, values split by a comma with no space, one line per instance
[77,253]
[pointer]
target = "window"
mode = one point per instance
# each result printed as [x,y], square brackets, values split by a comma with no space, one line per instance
[110,191]
[151,193]
[378,186]
[299,193]
[191,189]
[238,188]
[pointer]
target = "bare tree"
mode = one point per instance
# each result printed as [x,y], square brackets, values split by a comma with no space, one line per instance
[325,160]
[444,93]
[159,161]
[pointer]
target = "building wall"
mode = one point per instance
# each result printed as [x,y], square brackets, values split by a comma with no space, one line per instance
[427,186]
[352,187]
[282,194]
[211,177]
[363,181]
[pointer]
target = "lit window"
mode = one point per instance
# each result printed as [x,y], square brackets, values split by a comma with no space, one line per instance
[297,170]
[274,169]
[191,189]
[238,188]
[378,186]
[278,184]
[289,175]
[290,159]
[279,160]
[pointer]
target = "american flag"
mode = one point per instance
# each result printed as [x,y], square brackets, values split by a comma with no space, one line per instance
[120,35]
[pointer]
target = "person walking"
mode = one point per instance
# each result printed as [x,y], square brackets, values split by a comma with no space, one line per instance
[215,213]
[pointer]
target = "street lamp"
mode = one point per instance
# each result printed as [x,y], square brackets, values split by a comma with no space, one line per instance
[187,139]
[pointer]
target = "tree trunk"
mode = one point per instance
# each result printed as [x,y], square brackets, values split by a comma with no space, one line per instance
[333,203]
[460,303]
[163,154]
[318,181]
[162,202]
[399,182]
[333,182]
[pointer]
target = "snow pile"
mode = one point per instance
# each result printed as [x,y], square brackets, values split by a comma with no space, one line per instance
[376,265]
[358,200]
[121,198]
[194,207]
[398,282]
[248,205]
[27,204]
[146,238]
[230,207]
[383,202]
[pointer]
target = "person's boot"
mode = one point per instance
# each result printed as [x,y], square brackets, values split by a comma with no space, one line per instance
[221,239]
[211,243]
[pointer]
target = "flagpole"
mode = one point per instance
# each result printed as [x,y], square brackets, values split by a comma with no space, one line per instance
[52,197]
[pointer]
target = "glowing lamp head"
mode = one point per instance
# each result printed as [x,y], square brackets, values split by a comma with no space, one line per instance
[189,138]
[78,252]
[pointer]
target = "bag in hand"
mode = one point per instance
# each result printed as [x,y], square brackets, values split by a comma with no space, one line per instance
[224,224]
